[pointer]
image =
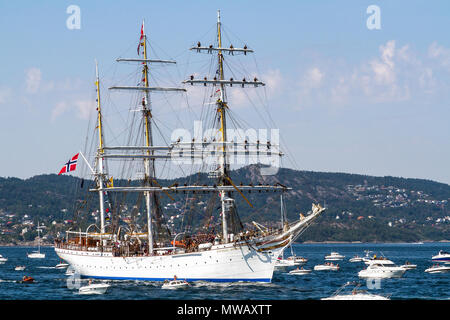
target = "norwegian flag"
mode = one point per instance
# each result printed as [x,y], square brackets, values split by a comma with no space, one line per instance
[71,165]
[140,39]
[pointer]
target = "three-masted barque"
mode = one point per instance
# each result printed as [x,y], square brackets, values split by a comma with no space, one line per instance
[226,255]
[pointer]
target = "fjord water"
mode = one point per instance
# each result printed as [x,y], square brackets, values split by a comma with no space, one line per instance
[52,284]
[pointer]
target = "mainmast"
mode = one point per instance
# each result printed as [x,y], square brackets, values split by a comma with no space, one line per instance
[221,105]
[149,157]
[149,164]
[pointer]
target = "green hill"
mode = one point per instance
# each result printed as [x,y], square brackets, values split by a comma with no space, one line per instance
[359,208]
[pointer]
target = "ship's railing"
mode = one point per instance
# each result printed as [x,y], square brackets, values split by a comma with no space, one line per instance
[95,242]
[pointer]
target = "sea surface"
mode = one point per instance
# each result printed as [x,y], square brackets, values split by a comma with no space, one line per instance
[54,284]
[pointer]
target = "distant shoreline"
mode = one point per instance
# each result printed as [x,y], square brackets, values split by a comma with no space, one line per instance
[32,245]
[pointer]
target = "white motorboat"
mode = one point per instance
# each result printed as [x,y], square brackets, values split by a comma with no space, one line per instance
[355,294]
[297,260]
[377,259]
[409,265]
[442,256]
[96,288]
[378,270]
[356,258]
[3,259]
[283,263]
[175,284]
[19,268]
[290,261]
[438,269]
[326,267]
[334,256]
[300,271]
[61,265]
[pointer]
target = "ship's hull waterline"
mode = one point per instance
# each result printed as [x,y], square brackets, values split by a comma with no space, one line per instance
[228,264]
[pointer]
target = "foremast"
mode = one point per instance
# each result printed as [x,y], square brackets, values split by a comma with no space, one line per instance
[100,151]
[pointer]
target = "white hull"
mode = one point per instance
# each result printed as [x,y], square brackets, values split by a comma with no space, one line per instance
[225,264]
[380,273]
[326,268]
[99,288]
[36,255]
[441,269]
[300,271]
[358,296]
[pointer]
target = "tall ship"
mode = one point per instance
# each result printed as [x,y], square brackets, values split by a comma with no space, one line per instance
[224,249]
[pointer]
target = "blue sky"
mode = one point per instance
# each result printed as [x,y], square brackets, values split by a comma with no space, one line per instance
[345,98]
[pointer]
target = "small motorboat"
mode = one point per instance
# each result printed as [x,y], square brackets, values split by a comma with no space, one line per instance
[19,268]
[436,268]
[356,258]
[283,263]
[326,266]
[27,279]
[334,256]
[355,294]
[94,288]
[297,260]
[300,271]
[61,265]
[374,260]
[381,271]
[409,265]
[174,284]
[442,256]
[3,259]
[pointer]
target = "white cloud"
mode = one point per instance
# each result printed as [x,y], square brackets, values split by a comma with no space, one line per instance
[33,80]
[397,73]
[82,108]
[441,54]
[5,93]
[313,78]
[59,109]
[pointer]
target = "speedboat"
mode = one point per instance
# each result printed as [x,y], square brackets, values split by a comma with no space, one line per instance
[383,260]
[3,259]
[175,284]
[355,294]
[334,256]
[297,260]
[61,265]
[379,270]
[19,268]
[326,266]
[436,268]
[300,271]
[283,263]
[96,288]
[442,256]
[356,259]
[409,265]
